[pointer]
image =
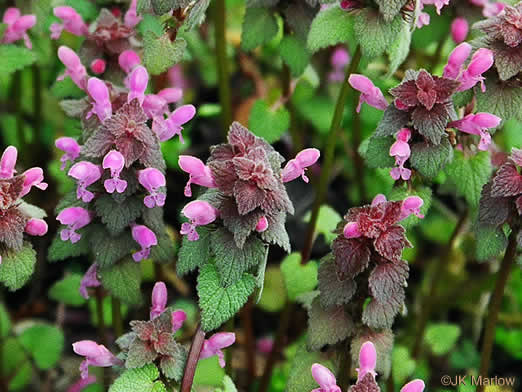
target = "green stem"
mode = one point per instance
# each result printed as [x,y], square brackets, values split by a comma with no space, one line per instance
[250,340]
[99,315]
[192,361]
[495,304]
[329,155]
[117,322]
[297,140]
[222,63]
[229,327]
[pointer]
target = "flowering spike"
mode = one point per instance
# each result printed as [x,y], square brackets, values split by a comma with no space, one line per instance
[413,386]
[115,162]
[128,60]
[262,224]
[367,360]
[166,129]
[325,378]
[401,151]
[131,17]
[70,147]
[8,162]
[456,60]
[95,355]
[178,318]
[152,179]
[215,344]
[459,29]
[138,80]
[481,61]
[369,93]
[90,279]
[478,124]
[36,227]
[146,238]
[33,177]
[200,174]
[74,67]
[99,92]
[199,213]
[351,230]
[74,218]
[297,166]
[411,205]
[86,173]
[72,22]
[159,300]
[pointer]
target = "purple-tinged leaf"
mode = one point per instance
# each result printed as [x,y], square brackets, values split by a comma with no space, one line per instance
[391,243]
[386,279]
[327,326]
[333,292]
[352,256]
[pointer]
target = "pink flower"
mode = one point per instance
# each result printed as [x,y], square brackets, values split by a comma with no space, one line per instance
[459,30]
[297,167]
[128,60]
[8,162]
[74,67]
[99,92]
[171,94]
[115,162]
[401,151]
[199,213]
[74,218]
[478,124]
[146,238]
[378,199]
[90,279]
[17,26]
[215,344]
[262,224]
[265,345]
[178,317]
[166,129]
[33,177]
[98,66]
[423,20]
[437,3]
[159,300]
[481,61]
[176,78]
[72,22]
[131,17]
[152,179]
[36,227]
[367,360]
[339,60]
[82,383]
[493,9]
[411,206]
[351,230]
[86,173]
[138,80]
[70,147]
[369,93]
[325,378]
[154,105]
[413,386]
[456,61]
[95,355]
[199,173]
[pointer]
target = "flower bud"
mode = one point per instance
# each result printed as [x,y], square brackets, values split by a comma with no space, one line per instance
[262,224]
[413,386]
[98,66]
[36,227]
[351,230]
[159,300]
[8,162]
[178,318]
[138,80]
[128,60]
[325,378]
[459,30]
[367,360]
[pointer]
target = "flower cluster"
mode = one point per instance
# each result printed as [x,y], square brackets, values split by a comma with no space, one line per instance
[16,216]
[17,26]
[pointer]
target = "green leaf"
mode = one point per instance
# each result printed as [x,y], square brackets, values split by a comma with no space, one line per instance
[219,303]
[327,326]
[273,298]
[442,337]
[45,344]
[377,153]
[161,7]
[123,280]
[5,322]
[228,385]
[326,222]
[403,365]
[67,290]
[85,8]
[62,250]
[390,8]
[108,249]
[150,23]
[330,27]
[259,27]
[502,99]
[429,159]
[295,54]
[145,379]
[469,174]
[490,241]
[194,254]
[231,261]
[197,14]
[17,266]
[15,363]
[267,123]
[161,53]
[398,51]
[118,216]
[66,89]
[164,252]
[374,34]
[14,58]
[209,373]
[299,278]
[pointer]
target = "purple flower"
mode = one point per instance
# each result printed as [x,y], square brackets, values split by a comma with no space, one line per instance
[401,151]
[33,177]
[297,166]
[115,162]
[99,92]
[128,60]
[166,129]
[262,224]
[138,80]
[36,227]
[86,173]
[481,61]
[493,9]
[74,218]
[8,162]
[459,29]
[72,22]
[325,378]
[199,213]
[159,300]
[131,17]
[411,206]
[178,317]
[351,230]
[414,386]
[367,361]
[215,344]
[423,20]
[456,61]
[199,173]
[369,93]
[82,383]
[265,345]
[378,199]
[98,66]
[171,94]
[17,26]
[70,147]
[339,60]
[95,355]
[152,179]
[154,105]
[90,279]
[146,238]
[437,3]
[74,67]
[478,124]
